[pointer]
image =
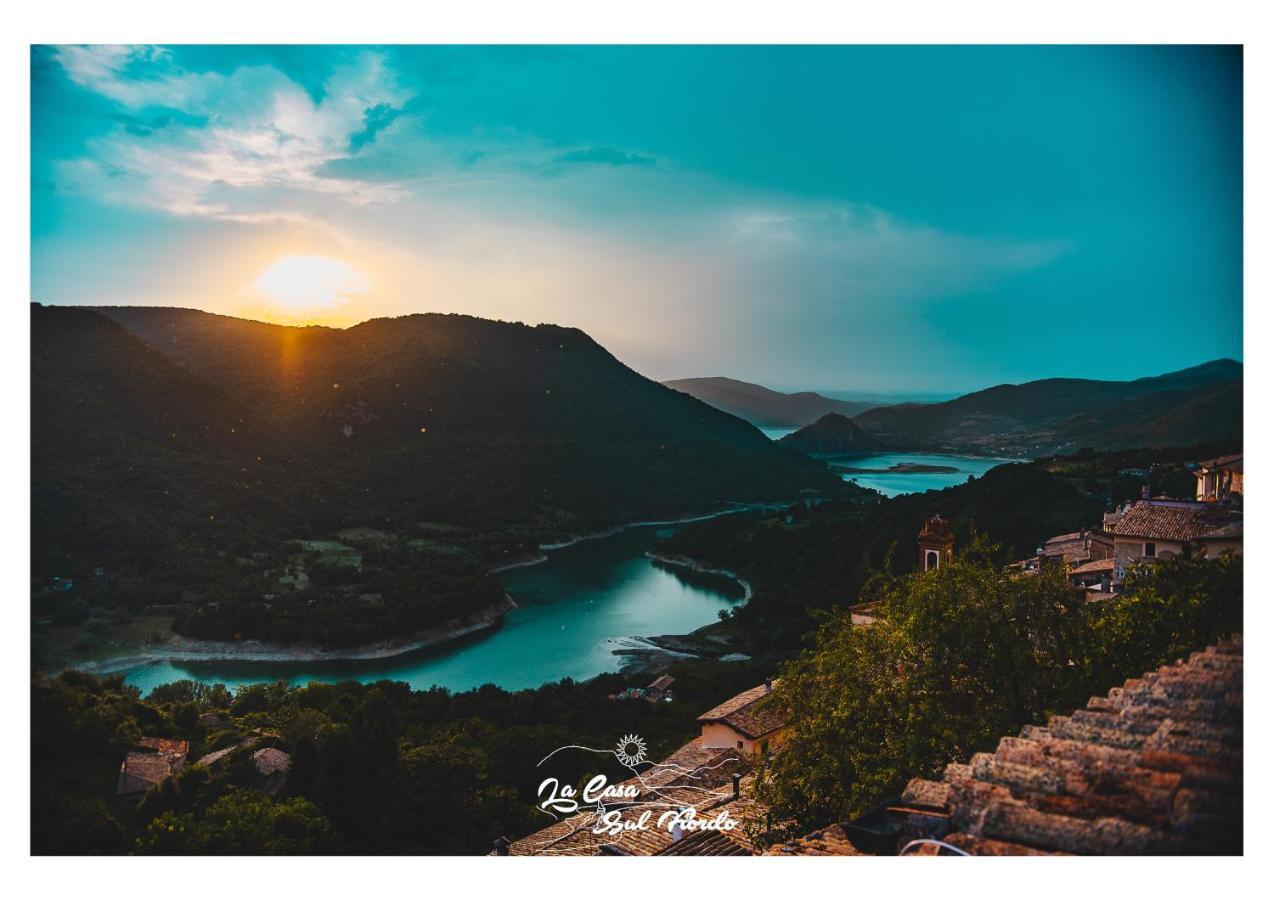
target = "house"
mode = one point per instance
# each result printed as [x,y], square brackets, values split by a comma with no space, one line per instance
[1226,539]
[745,722]
[153,761]
[271,766]
[1096,574]
[1076,548]
[935,542]
[660,689]
[1220,480]
[1153,529]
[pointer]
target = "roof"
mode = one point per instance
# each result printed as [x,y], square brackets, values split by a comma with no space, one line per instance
[829,841]
[165,745]
[747,714]
[1096,565]
[1165,523]
[270,761]
[936,527]
[1155,766]
[1232,463]
[693,776]
[1231,531]
[144,768]
[662,683]
[1071,547]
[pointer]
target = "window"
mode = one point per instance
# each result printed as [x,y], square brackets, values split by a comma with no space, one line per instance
[765,746]
[931,559]
[738,745]
[1150,549]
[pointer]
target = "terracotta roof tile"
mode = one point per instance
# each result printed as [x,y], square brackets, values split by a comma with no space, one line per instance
[1166,523]
[1155,766]
[747,714]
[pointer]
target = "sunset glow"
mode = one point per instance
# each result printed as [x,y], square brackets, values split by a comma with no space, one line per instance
[304,284]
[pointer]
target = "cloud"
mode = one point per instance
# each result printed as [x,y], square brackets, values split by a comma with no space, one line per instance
[607,156]
[251,145]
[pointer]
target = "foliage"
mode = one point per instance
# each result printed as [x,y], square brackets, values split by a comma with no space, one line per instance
[963,655]
[958,656]
[243,821]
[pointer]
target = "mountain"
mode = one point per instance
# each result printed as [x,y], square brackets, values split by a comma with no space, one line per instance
[1164,419]
[152,421]
[1050,415]
[762,406]
[833,433]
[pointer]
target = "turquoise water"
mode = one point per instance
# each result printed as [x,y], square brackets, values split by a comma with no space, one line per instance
[573,610]
[891,485]
[774,432]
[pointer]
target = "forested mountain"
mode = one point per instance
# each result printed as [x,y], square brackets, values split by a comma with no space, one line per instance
[833,433]
[1062,414]
[762,406]
[168,439]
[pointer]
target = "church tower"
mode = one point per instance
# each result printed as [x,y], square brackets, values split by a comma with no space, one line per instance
[936,543]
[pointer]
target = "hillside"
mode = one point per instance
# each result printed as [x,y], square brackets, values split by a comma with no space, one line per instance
[833,433]
[762,406]
[180,417]
[180,457]
[1057,414]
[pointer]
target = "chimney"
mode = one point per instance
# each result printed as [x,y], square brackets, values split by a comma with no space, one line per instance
[736,778]
[1145,491]
[769,685]
[501,846]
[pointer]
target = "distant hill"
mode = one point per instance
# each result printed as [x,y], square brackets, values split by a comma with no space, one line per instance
[1056,414]
[422,418]
[833,433]
[762,406]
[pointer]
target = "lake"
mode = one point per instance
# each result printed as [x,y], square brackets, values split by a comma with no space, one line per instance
[573,610]
[894,483]
[891,484]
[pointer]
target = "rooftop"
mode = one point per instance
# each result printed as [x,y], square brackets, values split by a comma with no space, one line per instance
[694,776]
[1096,565]
[1155,766]
[1158,521]
[747,714]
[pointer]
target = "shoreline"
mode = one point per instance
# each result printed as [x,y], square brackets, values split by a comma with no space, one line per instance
[694,565]
[181,649]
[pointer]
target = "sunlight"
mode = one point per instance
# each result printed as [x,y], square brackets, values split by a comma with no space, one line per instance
[302,283]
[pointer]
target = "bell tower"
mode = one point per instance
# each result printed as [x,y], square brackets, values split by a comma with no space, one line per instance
[936,543]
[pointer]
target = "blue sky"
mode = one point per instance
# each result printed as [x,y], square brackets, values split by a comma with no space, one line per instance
[881,218]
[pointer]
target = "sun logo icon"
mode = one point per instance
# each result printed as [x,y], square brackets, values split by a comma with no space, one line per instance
[631,750]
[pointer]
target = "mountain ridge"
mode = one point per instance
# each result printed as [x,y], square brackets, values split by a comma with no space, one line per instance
[762,406]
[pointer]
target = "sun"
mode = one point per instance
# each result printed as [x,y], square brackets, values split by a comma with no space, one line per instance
[308,283]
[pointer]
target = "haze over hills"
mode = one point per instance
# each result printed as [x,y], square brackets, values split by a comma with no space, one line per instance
[1058,415]
[145,416]
[762,406]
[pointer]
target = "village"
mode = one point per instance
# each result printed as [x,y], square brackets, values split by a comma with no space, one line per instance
[1040,792]
[1157,760]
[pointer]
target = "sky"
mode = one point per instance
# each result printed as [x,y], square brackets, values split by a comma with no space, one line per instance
[877,218]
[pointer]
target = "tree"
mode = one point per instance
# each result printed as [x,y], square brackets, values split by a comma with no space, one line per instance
[957,657]
[1167,610]
[243,821]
